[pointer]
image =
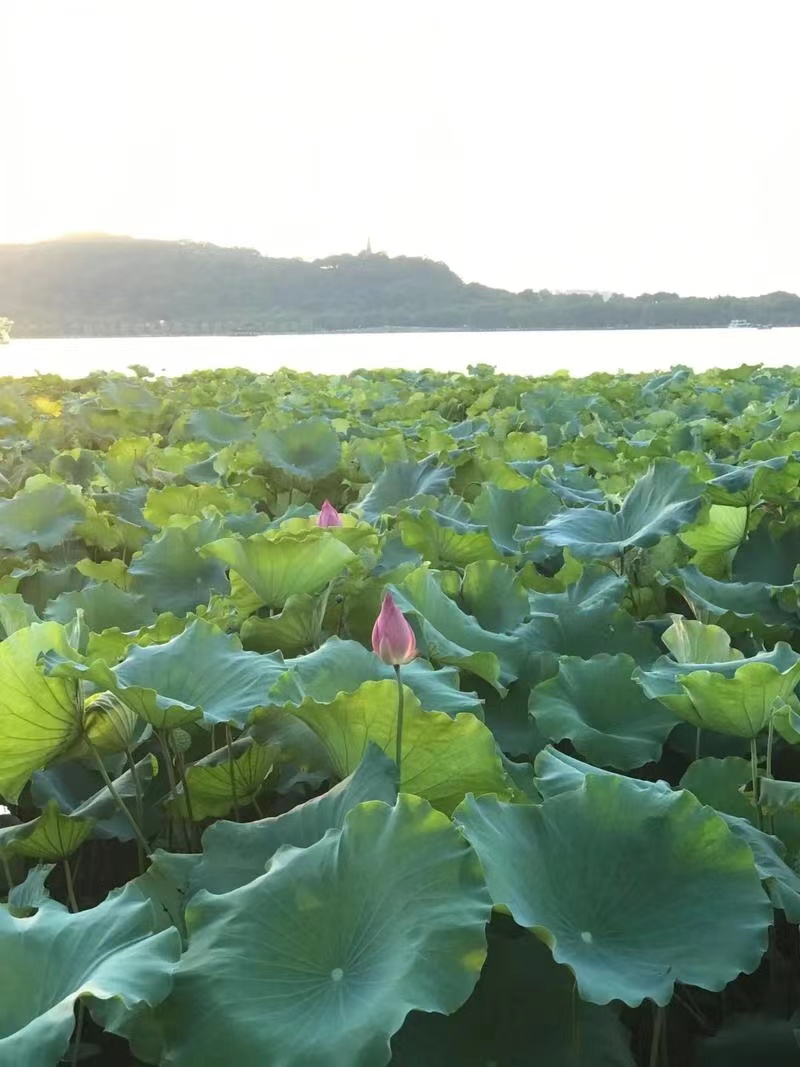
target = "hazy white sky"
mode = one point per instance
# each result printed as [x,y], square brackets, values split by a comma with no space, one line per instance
[632,145]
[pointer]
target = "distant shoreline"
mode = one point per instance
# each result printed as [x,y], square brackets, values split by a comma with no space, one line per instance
[367,330]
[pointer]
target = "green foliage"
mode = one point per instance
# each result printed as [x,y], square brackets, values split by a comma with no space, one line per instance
[190,708]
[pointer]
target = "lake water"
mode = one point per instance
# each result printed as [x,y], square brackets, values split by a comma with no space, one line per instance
[526,353]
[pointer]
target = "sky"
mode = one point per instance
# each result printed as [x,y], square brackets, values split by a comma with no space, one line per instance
[625,145]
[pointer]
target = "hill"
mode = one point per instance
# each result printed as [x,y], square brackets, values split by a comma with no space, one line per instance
[110,286]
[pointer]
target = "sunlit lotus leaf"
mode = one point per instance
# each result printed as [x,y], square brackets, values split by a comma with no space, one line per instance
[598,707]
[274,568]
[661,502]
[109,571]
[386,915]
[523,1001]
[215,784]
[105,956]
[405,484]
[442,757]
[442,541]
[103,605]
[15,613]
[39,716]
[634,888]
[173,575]
[448,635]
[189,501]
[724,529]
[695,642]
[755,688]
[44,513]
[309,449]
[236,853]
[341,667]
[494,594]
[294,629]
[48,838]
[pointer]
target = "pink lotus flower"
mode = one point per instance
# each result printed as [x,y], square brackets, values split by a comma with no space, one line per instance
[328,515]
[392,638]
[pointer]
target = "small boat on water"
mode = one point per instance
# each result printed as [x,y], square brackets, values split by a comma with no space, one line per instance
[743,324]
[5,330]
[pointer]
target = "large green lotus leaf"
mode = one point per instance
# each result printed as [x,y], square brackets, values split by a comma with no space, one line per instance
[742,599]
[274,568]
[236,853]
[513,727]
[39,715]
[597,706]
[718,783]
[450,636]
[104,606]
[107,956]
[780,881]
[444,542]
[50,837]
[215,783]
[523,1012]
[495,595]
[443,758]
[661,502]
[634,888]
[218,427]
[309,449]
[663,680]
[744,1041]
[293,630]
[202,672]
[44,513]
[503,510]
[584,620]
[769,555]
[189,501]
[741,705]
[724,529]
[405,484]
[341,667]
[379,919]
[172,574]
[747,484]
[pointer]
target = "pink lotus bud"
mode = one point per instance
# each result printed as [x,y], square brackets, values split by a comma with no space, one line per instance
[392,637]
[328,515]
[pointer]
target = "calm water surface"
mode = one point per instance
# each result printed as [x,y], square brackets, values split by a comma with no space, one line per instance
[526,353]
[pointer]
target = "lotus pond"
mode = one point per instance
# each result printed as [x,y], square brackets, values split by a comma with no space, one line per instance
[591,858]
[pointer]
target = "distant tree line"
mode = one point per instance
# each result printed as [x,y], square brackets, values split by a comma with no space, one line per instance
[110,286]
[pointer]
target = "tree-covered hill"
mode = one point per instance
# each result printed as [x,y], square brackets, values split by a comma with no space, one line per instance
[102,285]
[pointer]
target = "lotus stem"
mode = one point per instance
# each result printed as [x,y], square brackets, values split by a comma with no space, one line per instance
[229,743]
[655,1044]
[187,796]
[139,804]
[73,900]
[754,773]
[173,783]
[123,807]
[697,742]
[6,874]
[398,752]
